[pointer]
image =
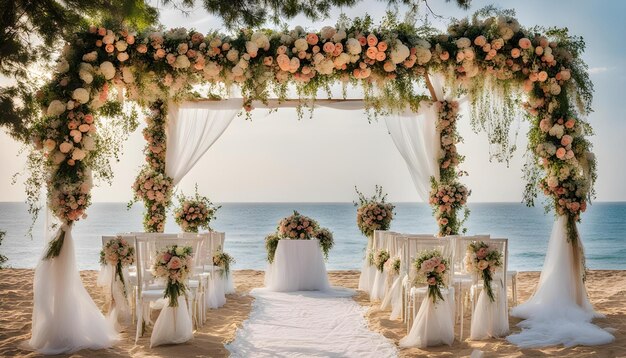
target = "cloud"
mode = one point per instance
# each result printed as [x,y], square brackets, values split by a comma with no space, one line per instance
[596,70]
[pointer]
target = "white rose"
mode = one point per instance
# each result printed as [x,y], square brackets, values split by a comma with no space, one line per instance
[232,55]
[81,95]
[180,251]
[340,35]
[55,108]
[122,56]
[78,154]
[108,39]
[353,46]
[182,61]
[557,131]
[127,75]
[121,45]
[400,53]
[342,59]
[325,67]
[463,42]
[327,32]
[63,66]
[212,69]
[85,72]
[88,143]
[301,45]
[90,57]
[107,69]
[261,40]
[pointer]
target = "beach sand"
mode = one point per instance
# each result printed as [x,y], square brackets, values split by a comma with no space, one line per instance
[607,290]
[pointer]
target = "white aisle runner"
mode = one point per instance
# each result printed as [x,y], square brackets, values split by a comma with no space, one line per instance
[308,324]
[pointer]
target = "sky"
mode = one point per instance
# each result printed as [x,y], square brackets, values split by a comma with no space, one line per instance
[278,158]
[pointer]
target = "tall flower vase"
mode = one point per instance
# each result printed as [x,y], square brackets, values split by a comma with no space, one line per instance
[368,271]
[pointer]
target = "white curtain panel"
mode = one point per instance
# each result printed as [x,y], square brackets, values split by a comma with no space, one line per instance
[192,128]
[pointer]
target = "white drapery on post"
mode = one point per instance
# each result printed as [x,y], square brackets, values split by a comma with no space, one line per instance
[65,318]
[559,312]
[192,128]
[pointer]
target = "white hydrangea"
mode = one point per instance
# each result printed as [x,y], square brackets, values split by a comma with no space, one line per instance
[353,46]
[81,95]
[107,69]
[182,61]
[399,53]
[55,108]
[301,45]
[85,72]
[463,42]
[90,57]
[261,40]
[63,66]
[423,55]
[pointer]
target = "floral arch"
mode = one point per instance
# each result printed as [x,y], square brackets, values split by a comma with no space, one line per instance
[500,66]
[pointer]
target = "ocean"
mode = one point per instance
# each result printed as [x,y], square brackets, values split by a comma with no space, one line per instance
[603,231]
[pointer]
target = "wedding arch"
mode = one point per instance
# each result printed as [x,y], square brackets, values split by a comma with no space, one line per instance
[501,68]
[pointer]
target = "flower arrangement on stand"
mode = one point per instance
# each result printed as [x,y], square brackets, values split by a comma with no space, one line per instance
[298,227]
[173,265]
[223,260]
[431,269]
[194,212]
[448,196]
[380,258]
[483,260]
[373,213]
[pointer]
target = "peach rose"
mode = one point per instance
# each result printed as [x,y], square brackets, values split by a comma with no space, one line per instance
[480,41]
[542,76]
[109,48]
[329,47]
[570,123]
[444,56]
[372,40]
[524,43]
[380,56]
[371,52]
[142,48]
[566,140]
[160,53]
[560,153]
[312,39]
[515,53]
[382,46]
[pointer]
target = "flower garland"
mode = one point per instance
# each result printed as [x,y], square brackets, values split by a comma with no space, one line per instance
[491,58]
[448,196]
[431,269]
[298,227]
[484,260]
[173,265]
[194,212]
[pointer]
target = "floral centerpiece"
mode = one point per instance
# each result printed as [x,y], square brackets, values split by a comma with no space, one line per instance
[223,260]
[373,213]
[392,266]
[483,260]
[380,258]
[173,264]
[119,254]
[298,227]
[194,212]
[431,268]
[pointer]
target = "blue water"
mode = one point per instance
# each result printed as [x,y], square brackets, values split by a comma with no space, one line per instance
[528,229]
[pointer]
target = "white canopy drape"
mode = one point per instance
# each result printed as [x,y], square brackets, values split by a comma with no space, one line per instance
[192,128]
[416,137]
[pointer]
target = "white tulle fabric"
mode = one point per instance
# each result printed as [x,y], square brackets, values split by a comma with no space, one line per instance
[559,312]
[393,298]
[308,324]
[434,323]
[298,266]
[490,319]
[119,307]
[368,274]
[173,325]
[215,297]
[379,286]
[192,128]
[229,284]
[65,318]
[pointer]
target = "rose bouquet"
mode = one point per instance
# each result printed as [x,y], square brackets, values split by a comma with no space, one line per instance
[173,264]
[431,268]
[393,265]
[447,200]
[223,260]
[483,260]
[380,258]
[194,212]
[298,227]
[119,254]
[155,190]
[373,213]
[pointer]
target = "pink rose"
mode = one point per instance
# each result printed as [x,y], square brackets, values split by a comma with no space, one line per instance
[432,281]
[560,153]
[372,40]
[174,263]
[440,268]
[566,140]
[524,43]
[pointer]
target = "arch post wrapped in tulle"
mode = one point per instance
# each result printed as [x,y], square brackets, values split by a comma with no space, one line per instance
[559,312]
[65,318]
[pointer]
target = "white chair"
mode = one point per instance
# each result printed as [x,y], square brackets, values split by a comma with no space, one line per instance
[414,247]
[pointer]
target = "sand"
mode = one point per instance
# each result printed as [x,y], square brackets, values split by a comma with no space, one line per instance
[607,290]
